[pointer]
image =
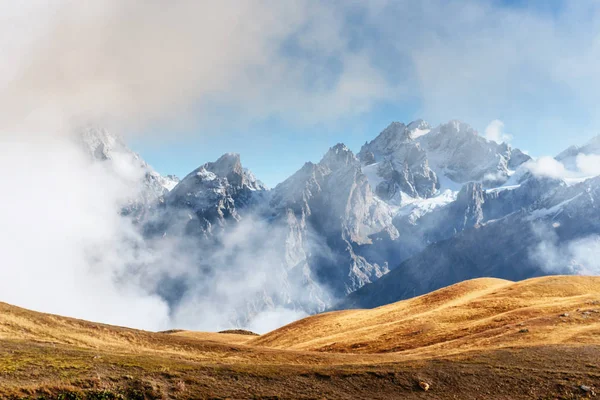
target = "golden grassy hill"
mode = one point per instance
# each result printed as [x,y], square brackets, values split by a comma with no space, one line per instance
[473,315]
[485,339]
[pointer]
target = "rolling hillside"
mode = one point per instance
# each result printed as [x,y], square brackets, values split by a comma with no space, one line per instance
[484,338]
[478,314]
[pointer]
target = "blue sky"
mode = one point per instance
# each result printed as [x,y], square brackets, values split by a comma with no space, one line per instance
[344,70]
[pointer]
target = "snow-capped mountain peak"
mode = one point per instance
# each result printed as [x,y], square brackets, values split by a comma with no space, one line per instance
[418,128]
[591,147]
[169,181]
[99,143]
[456,127]
[338,156]
[229,166]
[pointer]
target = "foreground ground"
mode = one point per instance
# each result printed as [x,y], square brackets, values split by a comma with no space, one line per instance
[481,339]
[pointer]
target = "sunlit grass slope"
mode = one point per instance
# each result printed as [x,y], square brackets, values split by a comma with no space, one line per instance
[472,315]
[484,338]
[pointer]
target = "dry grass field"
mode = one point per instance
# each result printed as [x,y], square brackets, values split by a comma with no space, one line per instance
[479,339]
[480,314]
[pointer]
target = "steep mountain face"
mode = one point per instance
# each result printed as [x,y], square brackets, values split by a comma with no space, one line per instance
[471,207]
[219,216]
[415,160]
[462,155]
[397,163]
[334,203]
[208,197]
[168,181]
[553,228]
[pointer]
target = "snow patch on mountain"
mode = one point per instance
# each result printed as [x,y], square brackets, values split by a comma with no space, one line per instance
[168,181]
[418,161]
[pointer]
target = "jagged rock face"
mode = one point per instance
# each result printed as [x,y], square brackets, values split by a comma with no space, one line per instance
[209,207]
[413,157]
[463,155]
[535,236]
[335,203]
[412,175]
[169,181]
[368,157]
[296,192]
[472,206]
[403,165]
[347,198]
[337,194]
[471,199]
[229,166]
[208,198]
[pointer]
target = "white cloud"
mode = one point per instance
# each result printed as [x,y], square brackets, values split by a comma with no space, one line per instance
[588,164]
[63,244]
[243,278]
[305,62]
[579,256]
[548,167]
[474,60]
[122,63]
[129,62]
[495,131]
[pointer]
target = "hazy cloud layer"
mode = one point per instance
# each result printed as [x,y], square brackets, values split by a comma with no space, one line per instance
[64,245]
[136,61]
[133,61]
[579,256]
[67,250]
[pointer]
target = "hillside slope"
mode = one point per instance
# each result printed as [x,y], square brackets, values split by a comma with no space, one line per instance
[484,338]
[477,314]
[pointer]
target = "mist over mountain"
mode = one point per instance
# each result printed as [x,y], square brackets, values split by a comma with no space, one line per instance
[418,208]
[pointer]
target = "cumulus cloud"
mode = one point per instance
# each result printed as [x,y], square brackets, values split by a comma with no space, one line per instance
[495,131]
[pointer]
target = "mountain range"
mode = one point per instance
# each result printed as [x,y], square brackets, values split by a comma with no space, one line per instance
[416,209]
